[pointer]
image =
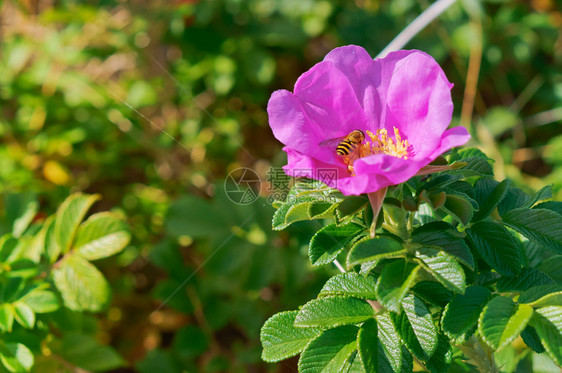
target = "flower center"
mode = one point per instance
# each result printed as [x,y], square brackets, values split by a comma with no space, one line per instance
[382,143]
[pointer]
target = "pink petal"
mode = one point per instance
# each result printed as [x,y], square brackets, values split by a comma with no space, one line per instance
[417,95]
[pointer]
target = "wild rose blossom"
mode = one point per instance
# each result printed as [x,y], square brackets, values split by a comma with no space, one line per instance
[401,102]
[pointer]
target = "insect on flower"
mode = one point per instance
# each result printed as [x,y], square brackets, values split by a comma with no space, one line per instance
[393,113]
[347,147]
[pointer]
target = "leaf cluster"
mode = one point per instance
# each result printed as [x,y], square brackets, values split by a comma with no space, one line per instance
[451,276]
[47,282]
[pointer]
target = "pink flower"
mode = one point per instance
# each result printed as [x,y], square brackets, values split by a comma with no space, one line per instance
[402,103]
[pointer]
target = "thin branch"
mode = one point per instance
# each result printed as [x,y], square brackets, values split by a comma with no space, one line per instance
[416,26]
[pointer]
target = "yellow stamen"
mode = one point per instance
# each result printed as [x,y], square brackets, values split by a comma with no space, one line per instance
[382,143]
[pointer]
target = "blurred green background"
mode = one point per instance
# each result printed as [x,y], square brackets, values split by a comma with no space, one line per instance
[152,103]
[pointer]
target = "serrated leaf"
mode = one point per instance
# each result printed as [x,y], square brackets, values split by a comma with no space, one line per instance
[460,317]
[555,206]
[290,213]
[69,216]
[41,301]
[552,267]
[333,311]
[488,194]
[528,278]
[350,284]
[477,163]
[532,339]
[394,282]
[24,315]
[496,246]
[542,296]
[539,225]
[442,356]
[101,235]
[329,241]
[16,357]
[544,193]
[368,344]
[439,236]
[351,206]
[393,356]
[514,198]
[420,324]
[548,324]
[444,268]
[82,286]
[373,249]
[502,321]
[433,292]
[280,339]
[331,351]
[460,207]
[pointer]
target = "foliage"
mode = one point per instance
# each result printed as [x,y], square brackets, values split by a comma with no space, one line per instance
[88,106]
[47,282]
[448,274]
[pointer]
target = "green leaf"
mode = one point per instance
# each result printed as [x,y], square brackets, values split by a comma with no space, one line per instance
[555,206]
[460,316]
[86,353]
[351,206]
[442,356]
[497,247]
[333,311]
[444,268]
[82,286]
[532,339]
[477,163]
[542,296]
[20,209]
[101,235]
[393,356]
[373,249]
[16,357]
[298,208]
[8,245]
[332,351]
[514,198]
[488,194]
[69,216]
[41,301]
[502,320]
[24,315]
[350,284]
[544,193]
[329,241]
[548,324]
[528,278]
[368,344]
[433,292]
[52,248]
[6,317]
[539,225]
[394,282]
[460,207]
[420,324]
[280,339]
[552,267]
[439,235]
